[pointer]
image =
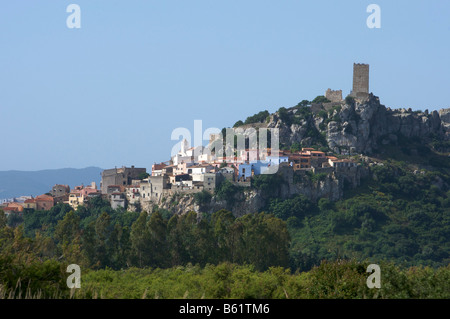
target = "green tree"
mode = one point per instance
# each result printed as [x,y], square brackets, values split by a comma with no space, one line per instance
[265,241]
[295,147]
[102,231]
[320,99]
[238,123]
[325,204]
[158,231]
[303,103]
[226,191]
[3,220]
[205,243]
[284,115]
[349,100]
[299,206]
[269,184]
[115,257]
[68,228]
[203,197]
[14,220]
[68,236]
[257,118]
[142,176]
[140,241]
[221,222]
[88,240]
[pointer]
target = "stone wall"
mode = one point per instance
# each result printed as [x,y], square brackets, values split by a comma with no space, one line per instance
[334,95]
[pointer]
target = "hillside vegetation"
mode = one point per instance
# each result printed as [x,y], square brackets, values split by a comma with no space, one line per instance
[297,247]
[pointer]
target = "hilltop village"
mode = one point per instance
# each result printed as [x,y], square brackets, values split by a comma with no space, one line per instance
[132,187]
[195,169]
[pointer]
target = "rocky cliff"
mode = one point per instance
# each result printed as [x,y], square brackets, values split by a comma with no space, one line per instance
[358,126]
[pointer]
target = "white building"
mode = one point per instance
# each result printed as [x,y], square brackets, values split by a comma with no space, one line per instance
[117,200]
[133,193]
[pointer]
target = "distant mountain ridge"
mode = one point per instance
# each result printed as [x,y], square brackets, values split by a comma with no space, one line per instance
[25,183]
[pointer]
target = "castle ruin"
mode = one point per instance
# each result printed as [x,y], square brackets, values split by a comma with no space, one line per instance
[334,95]
[360,89]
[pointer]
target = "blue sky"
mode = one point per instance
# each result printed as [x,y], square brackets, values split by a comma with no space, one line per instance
[110,94]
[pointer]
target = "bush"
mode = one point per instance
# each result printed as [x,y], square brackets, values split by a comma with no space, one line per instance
[267,183]
[321,99]
[203,197]
[323,114]
[298,207]
[226,191]
[350,100]
[238,123]
[257,118]
[284,115]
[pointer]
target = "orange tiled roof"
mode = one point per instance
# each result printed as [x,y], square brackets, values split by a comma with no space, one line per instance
[44,198]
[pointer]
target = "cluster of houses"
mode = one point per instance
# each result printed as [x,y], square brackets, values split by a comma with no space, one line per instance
[17,205]
[58,194]
[190,170]
[193,170]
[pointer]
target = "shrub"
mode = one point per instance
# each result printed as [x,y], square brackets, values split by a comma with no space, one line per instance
[321,99]
[350,100]
[203,197]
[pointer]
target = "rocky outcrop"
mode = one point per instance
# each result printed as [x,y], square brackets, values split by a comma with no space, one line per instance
[248,201]
[444,114]
[361,127]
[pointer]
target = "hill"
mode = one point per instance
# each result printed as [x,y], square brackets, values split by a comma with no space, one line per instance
[355,126]
[400,209]
[18,183]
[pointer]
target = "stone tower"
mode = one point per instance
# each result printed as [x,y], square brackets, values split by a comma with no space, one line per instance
[360,80]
